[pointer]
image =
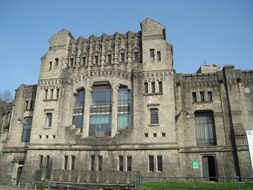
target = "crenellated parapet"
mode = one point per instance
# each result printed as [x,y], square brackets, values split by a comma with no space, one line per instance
[106,49]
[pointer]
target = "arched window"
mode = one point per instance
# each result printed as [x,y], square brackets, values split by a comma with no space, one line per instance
[124,105]
[78,110]
[27,126]
[101,111]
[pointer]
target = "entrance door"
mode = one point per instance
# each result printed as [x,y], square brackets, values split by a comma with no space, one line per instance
[208,168]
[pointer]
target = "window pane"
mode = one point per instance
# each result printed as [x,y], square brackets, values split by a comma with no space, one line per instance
[27,125]
[154,116]
[129,163]
[204,128]
[151,163]
[159,163]
[79,98]
[153,87]
[121,163]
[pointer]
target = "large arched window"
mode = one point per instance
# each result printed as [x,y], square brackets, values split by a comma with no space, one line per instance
[78,110]
[27,126]
[101,111]
[124,105]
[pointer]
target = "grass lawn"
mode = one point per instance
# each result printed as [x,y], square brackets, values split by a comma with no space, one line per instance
[186,185]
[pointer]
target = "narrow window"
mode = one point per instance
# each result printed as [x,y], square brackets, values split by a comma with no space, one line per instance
[92,165]
[48,162]
[73,159]
[154,134]
[26,104]
[153,87]
[159,56]
[83,60]
[49,119]
[71,62]
[121,163]
[159,163]
[160,86]
[163,134]
[57,93]
[146,134]
[205,129]
[100,163]
[52,94]
[152,54]
[66,162]
[31,105]
[136,56]
[96,59]
[46,92]
[209,96]
[27,126]
[41,162]
[110,58]
[194,97]
[129,163]
[154,116]
[146,87]
[151,163]
[122,57]
[202,97]
[56,62]
[50,65]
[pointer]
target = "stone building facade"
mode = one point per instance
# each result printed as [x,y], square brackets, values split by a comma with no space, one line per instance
[114,103]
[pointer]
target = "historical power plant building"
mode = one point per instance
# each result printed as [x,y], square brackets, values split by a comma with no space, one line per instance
[107,107]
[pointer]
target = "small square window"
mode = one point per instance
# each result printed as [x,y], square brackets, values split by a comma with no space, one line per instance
[146,134]
[154,134]
[40,136]
[54,136]
[163,134]
[46,136]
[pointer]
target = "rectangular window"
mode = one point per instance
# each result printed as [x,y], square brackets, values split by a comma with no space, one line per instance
[49,119]
[83,60]
[209,96]
[159,56]
[129,163]
[48,162]
[146,87]
[50,65]
[71,62]
[121,163]
[110,58]
[73,159]
[66,162]
[154,116]
[153,87]
[136,56]
[27,126]
[57,93]
[152,54]
[46,92]
[194,97]
[160,86]
[56,62]
[100,163]
[41,162]
[92,164]
[96,59]
[159,163]
[205,131]
[151,163]
[26,105]
[202,96]
[52,94]
[122,57]
[31,105]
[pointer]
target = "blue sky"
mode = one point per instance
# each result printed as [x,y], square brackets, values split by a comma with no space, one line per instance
[217,31]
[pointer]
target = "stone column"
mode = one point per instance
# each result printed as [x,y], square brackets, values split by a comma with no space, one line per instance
[115,90]
[86,117]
